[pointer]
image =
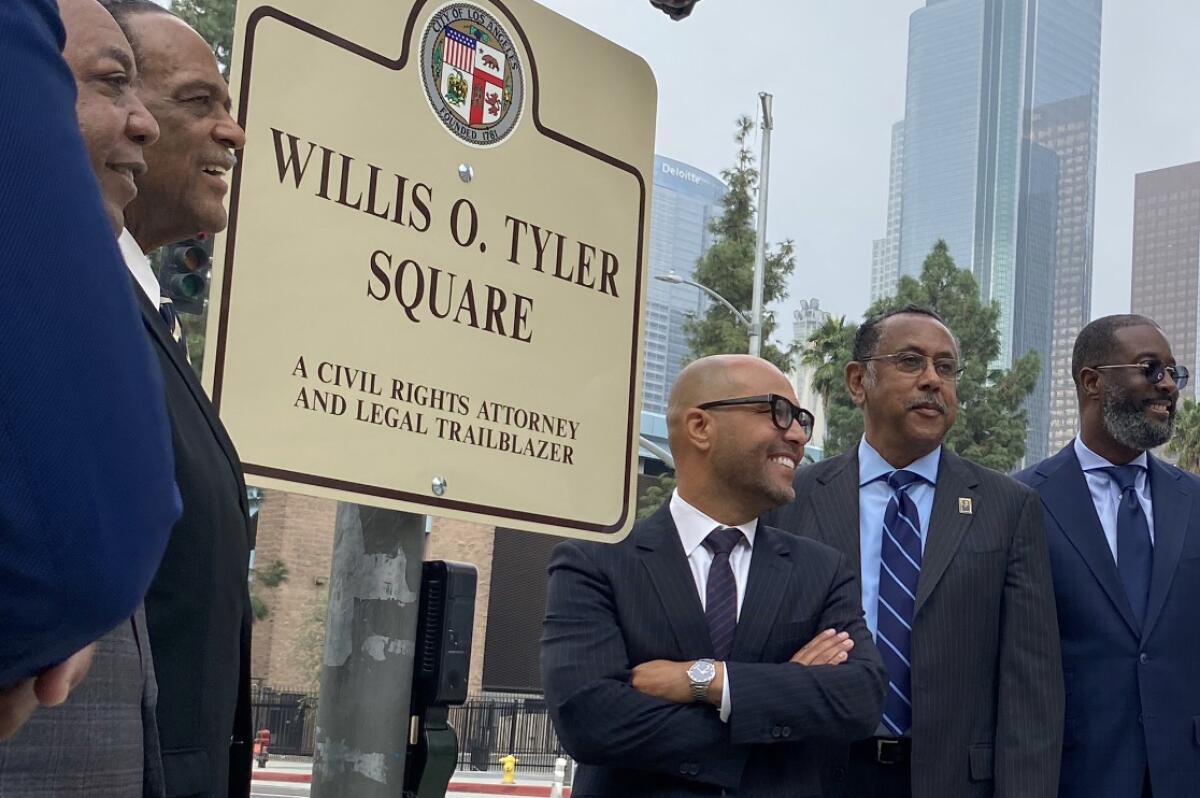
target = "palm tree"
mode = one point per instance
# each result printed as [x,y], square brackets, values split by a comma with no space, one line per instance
[1185,443]
[830,349]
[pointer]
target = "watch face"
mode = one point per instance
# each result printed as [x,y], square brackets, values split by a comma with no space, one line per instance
[702,671]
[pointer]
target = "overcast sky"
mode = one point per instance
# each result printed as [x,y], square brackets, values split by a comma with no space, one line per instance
[836,69]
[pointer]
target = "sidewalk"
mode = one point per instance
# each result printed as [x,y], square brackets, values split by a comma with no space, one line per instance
[464,781]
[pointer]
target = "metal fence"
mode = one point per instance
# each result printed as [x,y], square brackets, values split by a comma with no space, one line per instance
[290,715]
[487,728]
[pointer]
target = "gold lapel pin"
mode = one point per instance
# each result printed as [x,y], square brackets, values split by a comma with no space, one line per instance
[964,506]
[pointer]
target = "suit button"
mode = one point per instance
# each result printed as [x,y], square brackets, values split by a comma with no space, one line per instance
[695,770]
[1140,721]
[786,731]
[683,769]
[839,774]
[776,731]
[1143,658]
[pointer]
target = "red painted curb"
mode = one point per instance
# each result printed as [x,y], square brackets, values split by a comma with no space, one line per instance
[455,786]
[281,775]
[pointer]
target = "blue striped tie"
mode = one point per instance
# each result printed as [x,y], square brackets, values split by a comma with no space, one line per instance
[720,594]
[899,570]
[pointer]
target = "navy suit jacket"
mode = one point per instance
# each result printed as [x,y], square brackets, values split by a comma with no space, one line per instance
[610,607]
[87,492]
[1133,685]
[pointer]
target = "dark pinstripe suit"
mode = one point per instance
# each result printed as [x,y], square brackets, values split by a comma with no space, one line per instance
[611,607]
[986,678]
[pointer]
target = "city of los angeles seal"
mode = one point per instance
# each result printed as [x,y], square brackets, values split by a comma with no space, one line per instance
[472,75]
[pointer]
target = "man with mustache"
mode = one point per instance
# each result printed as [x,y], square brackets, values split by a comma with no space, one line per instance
[955,583]
[198,606]
[708,654]
[1124,535]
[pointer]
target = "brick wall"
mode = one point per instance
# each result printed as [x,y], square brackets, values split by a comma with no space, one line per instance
[298,530]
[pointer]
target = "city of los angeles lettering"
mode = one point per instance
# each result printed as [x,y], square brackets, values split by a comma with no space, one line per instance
[429,291]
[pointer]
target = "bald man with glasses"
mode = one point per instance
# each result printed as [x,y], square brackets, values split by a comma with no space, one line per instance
[708,654]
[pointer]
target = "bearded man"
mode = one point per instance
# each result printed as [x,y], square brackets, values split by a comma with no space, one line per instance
[1124,534]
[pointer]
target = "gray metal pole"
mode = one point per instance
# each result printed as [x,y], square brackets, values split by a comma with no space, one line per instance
[363,715]
[760,246]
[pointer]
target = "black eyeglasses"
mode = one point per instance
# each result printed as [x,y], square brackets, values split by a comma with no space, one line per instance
[783,412]
[1155,370]
[946,368]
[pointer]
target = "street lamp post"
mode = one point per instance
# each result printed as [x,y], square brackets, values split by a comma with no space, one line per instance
[761,243]
[674,279]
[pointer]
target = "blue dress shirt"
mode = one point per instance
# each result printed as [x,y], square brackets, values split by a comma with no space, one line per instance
[1106,496]
[873,497]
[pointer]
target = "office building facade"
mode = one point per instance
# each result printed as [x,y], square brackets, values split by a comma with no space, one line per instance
[1166,256]
[685,200]
[999,154]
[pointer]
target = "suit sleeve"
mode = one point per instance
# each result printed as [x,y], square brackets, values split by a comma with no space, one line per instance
[600,718]
[87,493]
[1030,704]
[786,702]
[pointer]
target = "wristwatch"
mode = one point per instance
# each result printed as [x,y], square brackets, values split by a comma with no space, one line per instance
[701,673]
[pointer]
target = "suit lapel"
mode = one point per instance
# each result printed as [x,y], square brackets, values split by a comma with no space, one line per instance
[1066,496]
[835,504]
[1172,502]
[947,525]
[157,328]
[766,584]
[666,564]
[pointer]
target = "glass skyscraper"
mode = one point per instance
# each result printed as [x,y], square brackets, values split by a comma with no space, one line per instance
[999,155]
[685,200]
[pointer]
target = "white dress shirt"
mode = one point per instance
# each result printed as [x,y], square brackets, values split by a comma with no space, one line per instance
[139,266]
[693,527]
[1106,496]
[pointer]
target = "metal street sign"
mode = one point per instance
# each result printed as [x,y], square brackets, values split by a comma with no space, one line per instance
[430,294]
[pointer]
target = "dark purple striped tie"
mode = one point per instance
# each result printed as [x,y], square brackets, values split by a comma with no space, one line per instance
[720,603]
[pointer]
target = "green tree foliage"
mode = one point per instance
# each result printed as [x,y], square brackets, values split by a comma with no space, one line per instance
[656,495]
[213,20]
[991,425]
[1185,442]
[271,576]
[831,344]
[728,266]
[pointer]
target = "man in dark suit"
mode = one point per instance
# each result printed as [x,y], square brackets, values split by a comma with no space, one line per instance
[1124,535]
[706,653]
[955,583]
[198,607]
[87,493]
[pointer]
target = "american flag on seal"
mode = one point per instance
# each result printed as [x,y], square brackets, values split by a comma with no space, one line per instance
[459,51]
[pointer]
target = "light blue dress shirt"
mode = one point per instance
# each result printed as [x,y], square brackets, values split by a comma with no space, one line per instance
[873,497]
[1106,496]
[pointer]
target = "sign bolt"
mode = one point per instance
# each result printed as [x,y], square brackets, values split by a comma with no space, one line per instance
[439,484]
[465,172]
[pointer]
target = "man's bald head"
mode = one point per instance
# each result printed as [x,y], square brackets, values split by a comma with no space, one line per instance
[732,459]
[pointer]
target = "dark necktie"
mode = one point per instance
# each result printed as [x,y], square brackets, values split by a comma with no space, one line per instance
[899,571]
[1135,554]
[166,309]
[720,596]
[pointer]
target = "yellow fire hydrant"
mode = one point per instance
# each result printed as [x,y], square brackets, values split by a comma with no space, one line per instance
[508,765]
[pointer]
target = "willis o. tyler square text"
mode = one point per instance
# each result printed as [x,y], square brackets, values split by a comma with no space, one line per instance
[428,292]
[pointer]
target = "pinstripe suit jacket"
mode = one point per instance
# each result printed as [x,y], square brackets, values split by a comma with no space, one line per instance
[611,607]
[986,679]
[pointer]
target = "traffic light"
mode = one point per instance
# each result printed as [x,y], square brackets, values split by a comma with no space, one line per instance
[185,273]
